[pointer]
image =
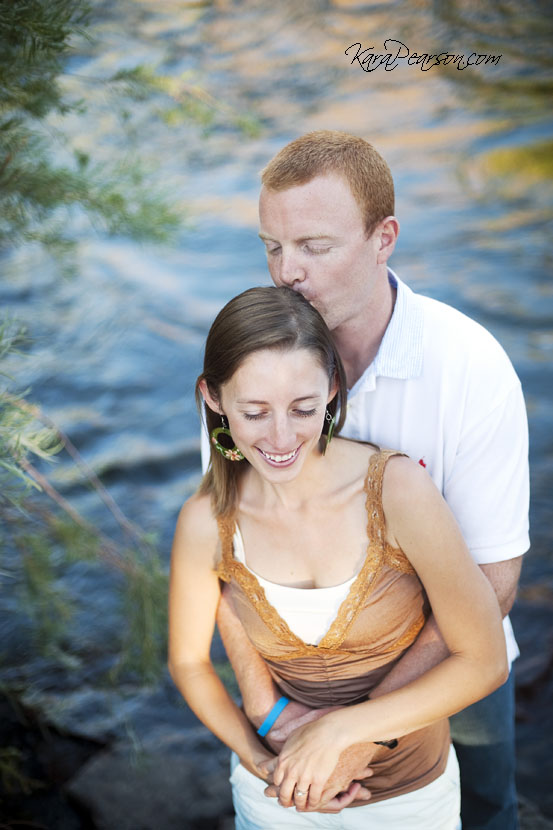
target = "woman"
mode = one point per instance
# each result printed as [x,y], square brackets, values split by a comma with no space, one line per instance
[335,553]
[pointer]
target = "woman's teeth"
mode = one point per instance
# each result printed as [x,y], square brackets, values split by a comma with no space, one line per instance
[279,458]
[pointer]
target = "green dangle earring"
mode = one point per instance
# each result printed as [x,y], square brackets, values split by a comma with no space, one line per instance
[331,420]
[232,455]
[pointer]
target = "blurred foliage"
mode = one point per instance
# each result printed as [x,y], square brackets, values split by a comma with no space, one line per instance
[20,432]
[12,776]
[144,645]
[35,42]
[188,101]
[47,187]
[44,183]
[49,540]
[48,543]
[48,605]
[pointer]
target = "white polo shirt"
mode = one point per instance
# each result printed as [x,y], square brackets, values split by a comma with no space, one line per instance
[442,390]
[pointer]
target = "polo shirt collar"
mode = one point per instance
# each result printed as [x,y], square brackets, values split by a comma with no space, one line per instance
[401,351]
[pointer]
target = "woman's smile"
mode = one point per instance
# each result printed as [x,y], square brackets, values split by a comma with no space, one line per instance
[278,460]
[275,404]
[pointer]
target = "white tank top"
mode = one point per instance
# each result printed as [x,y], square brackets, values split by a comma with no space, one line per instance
[308,612]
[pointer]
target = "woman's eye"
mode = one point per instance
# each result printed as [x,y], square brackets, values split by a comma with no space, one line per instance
[305,413]
[253,416]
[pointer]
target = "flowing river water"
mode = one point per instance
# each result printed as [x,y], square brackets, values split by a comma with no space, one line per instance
[118,346]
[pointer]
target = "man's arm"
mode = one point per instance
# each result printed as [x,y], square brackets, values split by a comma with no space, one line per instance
[260,693]
[429,648]
[504,577]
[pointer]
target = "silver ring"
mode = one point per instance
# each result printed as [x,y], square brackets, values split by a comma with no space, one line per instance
[300,792]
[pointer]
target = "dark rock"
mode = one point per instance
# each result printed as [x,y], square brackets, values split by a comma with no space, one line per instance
[40,760]
[179,780]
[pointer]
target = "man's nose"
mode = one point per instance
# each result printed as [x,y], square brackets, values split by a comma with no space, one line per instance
[291,269]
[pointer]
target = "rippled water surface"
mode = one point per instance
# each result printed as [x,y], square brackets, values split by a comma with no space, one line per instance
[117,348]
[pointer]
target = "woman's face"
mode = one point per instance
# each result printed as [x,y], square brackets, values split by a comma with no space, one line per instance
[275,404]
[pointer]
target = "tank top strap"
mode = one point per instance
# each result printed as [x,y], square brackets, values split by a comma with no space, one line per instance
[225,525]
[376,522]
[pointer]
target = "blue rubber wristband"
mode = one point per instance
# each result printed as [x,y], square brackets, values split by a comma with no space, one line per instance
[272,716]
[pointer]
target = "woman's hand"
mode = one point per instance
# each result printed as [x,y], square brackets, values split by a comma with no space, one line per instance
[262,761]
[307,761]
[352,767]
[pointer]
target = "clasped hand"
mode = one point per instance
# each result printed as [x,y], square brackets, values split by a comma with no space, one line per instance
[315,769]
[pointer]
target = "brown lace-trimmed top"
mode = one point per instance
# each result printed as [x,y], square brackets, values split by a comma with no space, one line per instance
[380,618]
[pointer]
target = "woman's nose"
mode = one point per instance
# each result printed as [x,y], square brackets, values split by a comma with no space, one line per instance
[282,434]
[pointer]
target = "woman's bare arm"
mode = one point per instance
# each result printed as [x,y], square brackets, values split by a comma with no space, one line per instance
[468,617]
[193,599]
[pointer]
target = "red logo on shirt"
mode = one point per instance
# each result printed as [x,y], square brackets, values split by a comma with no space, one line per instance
[421,462]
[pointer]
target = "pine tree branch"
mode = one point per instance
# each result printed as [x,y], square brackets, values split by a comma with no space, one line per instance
[109,550]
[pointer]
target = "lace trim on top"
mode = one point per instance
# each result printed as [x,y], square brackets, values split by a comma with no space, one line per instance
[379,552]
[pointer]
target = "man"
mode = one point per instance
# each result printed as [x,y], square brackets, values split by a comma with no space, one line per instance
[424,379]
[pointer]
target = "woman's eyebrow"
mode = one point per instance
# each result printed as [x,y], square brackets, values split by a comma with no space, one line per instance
[314,396]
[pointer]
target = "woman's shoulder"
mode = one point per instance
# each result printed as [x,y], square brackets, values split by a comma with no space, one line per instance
[406,484]
[350,463]
[358,455]
[197,526]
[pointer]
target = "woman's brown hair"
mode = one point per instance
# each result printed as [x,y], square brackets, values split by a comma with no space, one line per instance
[260,318]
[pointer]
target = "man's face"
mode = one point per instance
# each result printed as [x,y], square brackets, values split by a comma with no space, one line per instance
[316,243]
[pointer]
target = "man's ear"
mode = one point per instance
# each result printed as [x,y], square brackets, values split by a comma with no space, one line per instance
[388,232]
[212,402]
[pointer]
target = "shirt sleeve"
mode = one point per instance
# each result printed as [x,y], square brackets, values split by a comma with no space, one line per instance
[488,486]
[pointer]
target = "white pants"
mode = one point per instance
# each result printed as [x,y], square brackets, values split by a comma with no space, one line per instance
[433,807]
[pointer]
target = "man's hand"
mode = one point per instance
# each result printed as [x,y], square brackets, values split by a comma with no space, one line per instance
[352,764]
[355,792]
[291,718]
